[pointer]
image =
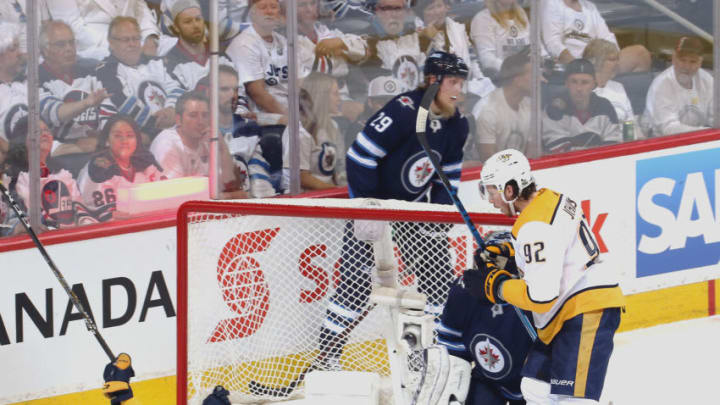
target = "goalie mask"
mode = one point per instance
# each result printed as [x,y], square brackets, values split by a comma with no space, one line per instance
[501,168]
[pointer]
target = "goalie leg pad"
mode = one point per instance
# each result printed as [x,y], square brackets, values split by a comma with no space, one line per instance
[445,378]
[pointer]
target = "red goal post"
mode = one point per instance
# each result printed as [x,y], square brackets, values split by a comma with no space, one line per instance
[254,278]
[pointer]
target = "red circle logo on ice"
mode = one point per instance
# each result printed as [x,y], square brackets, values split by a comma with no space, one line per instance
[417,171]
[494,359]
[242,284]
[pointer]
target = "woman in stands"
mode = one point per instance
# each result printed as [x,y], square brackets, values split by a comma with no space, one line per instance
[321,150]
[120,162]
[605,56]
[59,194]
[500,30]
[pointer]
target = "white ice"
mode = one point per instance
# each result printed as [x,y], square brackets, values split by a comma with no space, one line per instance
[671,364]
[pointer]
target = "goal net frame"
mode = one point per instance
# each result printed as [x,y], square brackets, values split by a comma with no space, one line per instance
[333,209]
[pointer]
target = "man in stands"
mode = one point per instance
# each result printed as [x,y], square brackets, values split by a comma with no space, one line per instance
[184,150]
[13,88]
[260,57]
[69,91]
[577,118]
[680,99]
[137,85]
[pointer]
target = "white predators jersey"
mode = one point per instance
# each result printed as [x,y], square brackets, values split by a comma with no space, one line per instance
[565,28]
[562,272]
[493,42]
[673,109]
[138,91]
[256,59]
[13,106]
[54,92]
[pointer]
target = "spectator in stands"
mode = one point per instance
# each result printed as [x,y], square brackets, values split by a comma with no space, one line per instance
[260,57]
[91,20]
[680,99]
[138,86]
[13,88]
[578,118]
[320,141]
[184,150]
[498,31]
[242,135]
[605,57]
[440,32]
[15,11]
[502,119]
[120,162]
[189,59]
[394,44]
[330,51]
[7,225]
[69,92]
[59,192]
[380,90]
[568,26]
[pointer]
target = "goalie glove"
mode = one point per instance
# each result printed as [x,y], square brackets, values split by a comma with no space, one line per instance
[485,281]
[445,380]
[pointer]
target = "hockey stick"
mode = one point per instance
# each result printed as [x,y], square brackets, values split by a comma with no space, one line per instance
[89,323]
[259,389]
[420,127]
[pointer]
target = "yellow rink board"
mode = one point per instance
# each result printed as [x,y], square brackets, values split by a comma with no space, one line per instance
[643,310]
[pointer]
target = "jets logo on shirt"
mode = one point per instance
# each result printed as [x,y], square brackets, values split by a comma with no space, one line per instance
[88,117]
[406,101]
[493,358]
[326,159]
[579,24]
[406,70]
[13,116]
[152,94]
[417,172]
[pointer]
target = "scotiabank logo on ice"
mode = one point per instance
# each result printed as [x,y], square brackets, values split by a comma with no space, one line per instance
[678,216]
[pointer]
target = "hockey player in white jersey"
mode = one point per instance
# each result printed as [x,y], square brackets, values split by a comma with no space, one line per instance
[137,86]
[69,92]
[574,296]
[680,99]
[260,57]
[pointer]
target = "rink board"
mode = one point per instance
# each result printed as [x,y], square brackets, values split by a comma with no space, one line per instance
[654,199]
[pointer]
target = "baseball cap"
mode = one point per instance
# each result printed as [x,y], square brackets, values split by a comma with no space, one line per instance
[182,5]
[689,45]
[382,86]
[579,66]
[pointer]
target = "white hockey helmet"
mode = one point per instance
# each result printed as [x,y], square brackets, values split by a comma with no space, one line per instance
[503,166]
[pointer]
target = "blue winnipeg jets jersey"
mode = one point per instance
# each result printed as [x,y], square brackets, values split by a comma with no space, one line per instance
[386,160]
[490,335]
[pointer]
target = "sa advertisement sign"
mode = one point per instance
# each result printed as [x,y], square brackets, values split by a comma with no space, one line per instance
[678,216]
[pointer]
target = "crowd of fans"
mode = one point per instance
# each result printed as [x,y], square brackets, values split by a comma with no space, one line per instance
[124,89]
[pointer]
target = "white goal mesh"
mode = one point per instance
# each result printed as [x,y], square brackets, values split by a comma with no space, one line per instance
[256,279]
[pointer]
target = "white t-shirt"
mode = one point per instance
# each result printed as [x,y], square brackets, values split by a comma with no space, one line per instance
[493,42]
[256,59]
[616,94]
[178,160]
[13,106]
[499,124]
[565,28]
[673,109]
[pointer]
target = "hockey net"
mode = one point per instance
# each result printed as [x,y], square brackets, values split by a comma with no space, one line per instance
[255,278]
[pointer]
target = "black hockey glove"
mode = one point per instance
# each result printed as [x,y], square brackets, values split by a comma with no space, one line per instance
[219,396]
[498,250]
[485,281]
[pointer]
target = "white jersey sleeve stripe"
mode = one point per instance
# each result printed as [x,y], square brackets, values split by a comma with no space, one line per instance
[370,146]
[442,328]
[452,167]
[355,157]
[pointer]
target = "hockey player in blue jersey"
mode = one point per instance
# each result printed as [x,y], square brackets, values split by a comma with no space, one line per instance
[490,335]
[386,161]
